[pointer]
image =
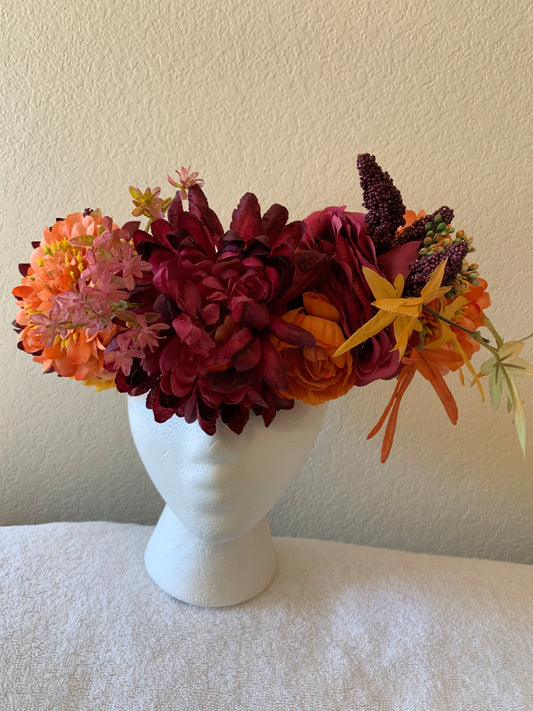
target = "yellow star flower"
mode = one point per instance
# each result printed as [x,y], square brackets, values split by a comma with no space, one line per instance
[403,313]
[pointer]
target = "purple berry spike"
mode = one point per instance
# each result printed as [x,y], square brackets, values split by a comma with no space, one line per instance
[423,268]
[417,231]
[382,200]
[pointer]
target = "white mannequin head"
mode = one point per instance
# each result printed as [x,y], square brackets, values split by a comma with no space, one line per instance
[221,486]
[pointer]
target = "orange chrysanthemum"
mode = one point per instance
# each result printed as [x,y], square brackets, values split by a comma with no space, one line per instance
[55,267]
[315,374]
[470,316]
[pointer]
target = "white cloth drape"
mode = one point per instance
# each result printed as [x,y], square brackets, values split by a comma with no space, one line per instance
[345,627]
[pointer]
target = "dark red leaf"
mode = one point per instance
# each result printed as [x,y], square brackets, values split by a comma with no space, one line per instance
[292,233]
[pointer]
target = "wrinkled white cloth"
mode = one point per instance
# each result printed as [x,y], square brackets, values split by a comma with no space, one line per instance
[345,627]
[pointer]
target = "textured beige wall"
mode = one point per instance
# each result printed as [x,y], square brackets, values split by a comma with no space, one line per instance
[277,98]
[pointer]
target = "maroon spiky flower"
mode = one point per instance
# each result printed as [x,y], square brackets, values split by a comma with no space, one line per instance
[222,296]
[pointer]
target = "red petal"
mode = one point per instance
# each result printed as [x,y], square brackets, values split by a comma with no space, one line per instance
[274,369]
[238,340]
[289,333]
[254,315]
[396,261]
[273,222]
[249,356]
[246,217]
[199,206]
[211,314]
[311,269]
[175,209]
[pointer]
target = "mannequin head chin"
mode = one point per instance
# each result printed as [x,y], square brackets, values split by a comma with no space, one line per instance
[220,486]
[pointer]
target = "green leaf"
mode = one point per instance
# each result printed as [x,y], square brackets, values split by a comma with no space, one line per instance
[82,241]
[511,349]
[520,420]
[488,366]
[521,368]
[495,389]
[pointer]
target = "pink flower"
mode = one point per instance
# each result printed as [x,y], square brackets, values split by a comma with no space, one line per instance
[186,181]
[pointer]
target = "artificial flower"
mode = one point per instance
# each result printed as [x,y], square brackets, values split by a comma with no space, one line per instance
[410,217]
[74,296]
[428,363]
[342,237]
[466,313]
[214,325]
[186,180]
[222,297]
[383,201]
[55,269]
[148,204]
[315,374]
[404,313]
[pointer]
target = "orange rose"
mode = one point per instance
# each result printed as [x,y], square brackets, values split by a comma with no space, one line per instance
[315,375]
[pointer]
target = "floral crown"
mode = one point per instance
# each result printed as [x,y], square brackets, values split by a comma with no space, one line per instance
[213,324]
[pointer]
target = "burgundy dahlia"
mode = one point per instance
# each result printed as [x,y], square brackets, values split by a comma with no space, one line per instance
[222,296]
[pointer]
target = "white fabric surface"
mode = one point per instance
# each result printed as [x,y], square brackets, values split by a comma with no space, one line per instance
[341,627]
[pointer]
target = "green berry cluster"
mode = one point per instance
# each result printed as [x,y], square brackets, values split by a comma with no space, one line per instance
[440,236]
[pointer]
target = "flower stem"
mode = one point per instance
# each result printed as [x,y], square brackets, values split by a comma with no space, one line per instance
[488,324]
[476,335]
[447,320]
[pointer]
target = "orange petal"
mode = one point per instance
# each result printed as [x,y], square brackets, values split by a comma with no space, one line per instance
[327,333]
[319,305]
[404,379]
[431,373]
